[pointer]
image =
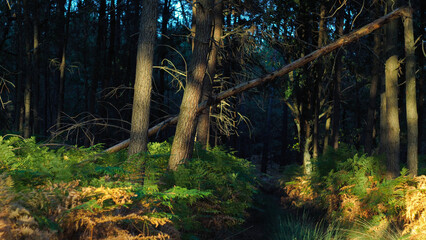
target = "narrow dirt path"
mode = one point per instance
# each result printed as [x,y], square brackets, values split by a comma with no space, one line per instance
[264,217]
[266,211]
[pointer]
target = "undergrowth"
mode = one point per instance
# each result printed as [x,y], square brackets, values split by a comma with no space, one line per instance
[353,189]
[83,193]
[300,226]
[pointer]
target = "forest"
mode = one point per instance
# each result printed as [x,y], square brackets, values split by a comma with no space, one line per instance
[212,119]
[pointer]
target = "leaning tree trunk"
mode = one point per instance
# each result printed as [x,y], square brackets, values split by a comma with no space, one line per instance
[391,88]
[343,41]
[410,92]
[183,141]
[203,126]
[143,84]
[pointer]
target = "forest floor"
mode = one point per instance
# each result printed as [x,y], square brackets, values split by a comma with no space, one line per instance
[270,219]
[267,211]
[264,217]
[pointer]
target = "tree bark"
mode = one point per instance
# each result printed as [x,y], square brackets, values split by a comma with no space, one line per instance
[284,136]
[315,135]
[343,41]
[183,141]
[161,110]
[307,161]
[421,84]
[267,135]
[61,43]
[410,84]
[143,83]
[321,40]
[337,83]
[383,124]
[28,72]
[110,65]
[100,48]
[375,79]
[36,70]
[19,110]
[63,47]
[203,126]
[391,81]
[104,73]
[327,132]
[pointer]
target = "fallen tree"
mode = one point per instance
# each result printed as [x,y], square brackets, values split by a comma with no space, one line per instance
[343,41]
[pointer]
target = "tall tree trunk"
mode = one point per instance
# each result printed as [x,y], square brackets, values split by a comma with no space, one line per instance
[337,83]
[321,40]
[343,41]
[203,126]
[60,33]
[103,61]
[98,68]
[327,131]
[410,90]
[391,81]
[284,137]
[267,135]
[63,47]
[143,83]
[383,124]
[315,135]
[307,162]
[28,71]
[375,79]
[185,131]
[421,84]
[357,137]
[117,80]
[19,110]
[160,112]
[36,71]
[47,93]
[110,65]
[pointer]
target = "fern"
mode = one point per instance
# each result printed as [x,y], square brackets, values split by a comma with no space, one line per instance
[80,190]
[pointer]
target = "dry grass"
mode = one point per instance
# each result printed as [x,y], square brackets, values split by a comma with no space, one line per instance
[351,208]
[16,221]
[415,214]
[299,192]
[105,217]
